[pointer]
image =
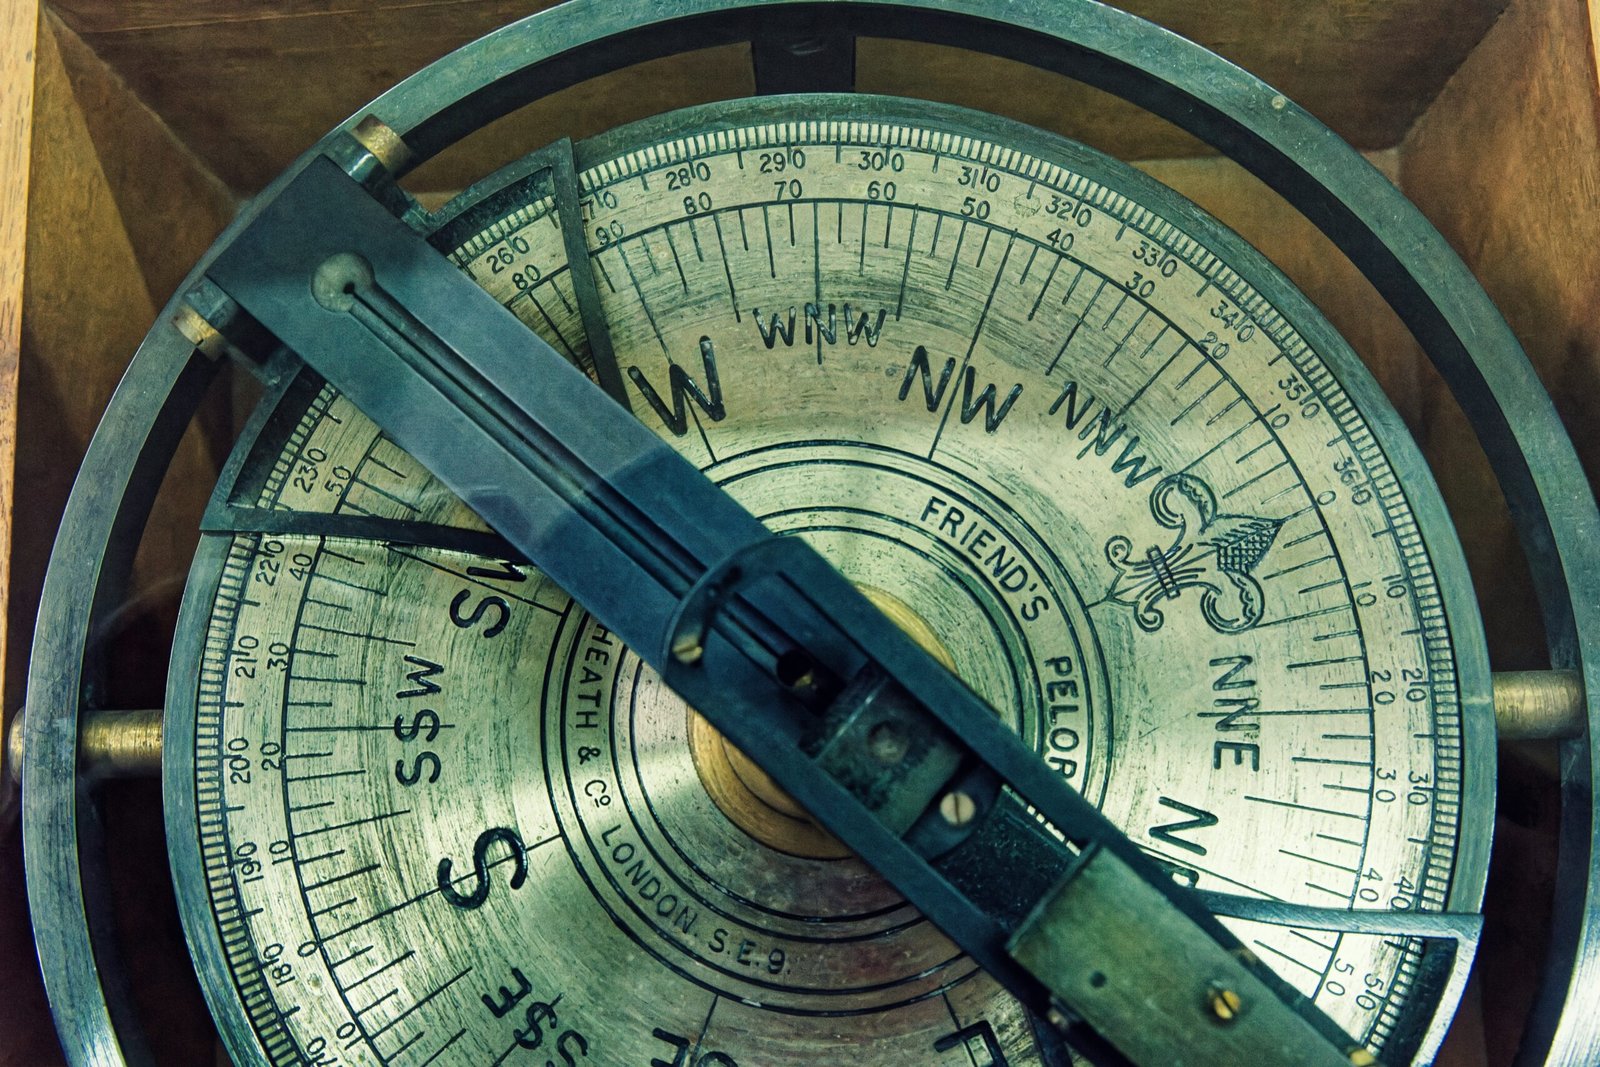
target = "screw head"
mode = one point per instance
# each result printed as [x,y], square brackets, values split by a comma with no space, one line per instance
[339,278]
[957,808]
[688,650]
[1224,1003]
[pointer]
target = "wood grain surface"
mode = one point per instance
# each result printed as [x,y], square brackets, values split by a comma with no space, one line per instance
[87,301]
[249,86]
[1507,164]
[170,204]
[87,286]
[76,337]
[25,1040]
[18,30]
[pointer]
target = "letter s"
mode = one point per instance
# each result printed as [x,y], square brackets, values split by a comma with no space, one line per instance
[480,868]
[471,618]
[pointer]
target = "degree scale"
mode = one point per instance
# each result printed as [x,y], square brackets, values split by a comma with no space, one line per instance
[1083,446]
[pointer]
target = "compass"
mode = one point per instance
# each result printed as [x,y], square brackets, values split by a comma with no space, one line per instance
[1078,442]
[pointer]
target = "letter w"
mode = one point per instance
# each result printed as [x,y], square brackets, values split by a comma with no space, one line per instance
[422,677]
[777,328]
[992,417]
[681,385]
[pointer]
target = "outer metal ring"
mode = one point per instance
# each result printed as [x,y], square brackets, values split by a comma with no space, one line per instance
[1382,233]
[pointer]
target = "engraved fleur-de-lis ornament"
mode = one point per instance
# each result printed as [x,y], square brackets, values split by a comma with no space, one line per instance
[1211,552]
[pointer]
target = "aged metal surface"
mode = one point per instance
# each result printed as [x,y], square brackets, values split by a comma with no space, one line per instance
[1176,993]
[927,387]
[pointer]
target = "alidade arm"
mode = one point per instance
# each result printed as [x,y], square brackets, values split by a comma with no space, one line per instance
[764,638]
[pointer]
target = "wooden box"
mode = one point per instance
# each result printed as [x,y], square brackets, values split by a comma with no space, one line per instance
[130,131]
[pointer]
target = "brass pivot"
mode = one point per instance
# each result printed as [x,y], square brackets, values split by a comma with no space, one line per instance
[111,744]
[752,800]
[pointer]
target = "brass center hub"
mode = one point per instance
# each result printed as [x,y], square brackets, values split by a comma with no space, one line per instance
[751,799]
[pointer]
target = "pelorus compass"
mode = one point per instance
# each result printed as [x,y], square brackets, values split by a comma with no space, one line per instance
[815,578]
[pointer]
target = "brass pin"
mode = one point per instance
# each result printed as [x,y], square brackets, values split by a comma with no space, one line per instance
[198,332]
[111,744]
[386,146]
[1539,705]
[13,749]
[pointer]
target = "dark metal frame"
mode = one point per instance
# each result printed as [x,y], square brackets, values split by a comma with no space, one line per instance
[1360,210]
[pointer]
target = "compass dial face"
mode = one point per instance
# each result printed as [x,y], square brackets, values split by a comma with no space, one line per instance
[1084,444]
